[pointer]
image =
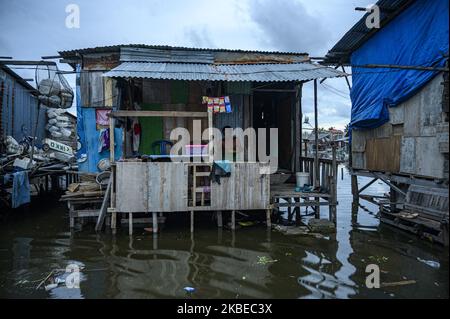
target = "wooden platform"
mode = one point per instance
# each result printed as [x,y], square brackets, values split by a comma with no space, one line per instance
[293,199]
[420,226]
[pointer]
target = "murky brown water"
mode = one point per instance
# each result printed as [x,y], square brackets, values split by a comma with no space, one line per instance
[219,264]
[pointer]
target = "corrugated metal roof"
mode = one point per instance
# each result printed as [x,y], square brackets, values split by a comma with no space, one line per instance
[237,72]
[112,48]
[130,54]
[360,33]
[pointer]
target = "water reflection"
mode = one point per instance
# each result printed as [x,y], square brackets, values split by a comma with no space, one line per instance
[247,263]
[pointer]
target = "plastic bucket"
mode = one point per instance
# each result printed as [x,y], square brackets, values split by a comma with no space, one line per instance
[302,179]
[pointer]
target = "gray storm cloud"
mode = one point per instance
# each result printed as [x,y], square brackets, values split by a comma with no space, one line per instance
[287,26]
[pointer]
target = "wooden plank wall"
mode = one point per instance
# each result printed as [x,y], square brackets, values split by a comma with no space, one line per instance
[163,187]
[383,154]
[246,188]
[131,191]
[167,187]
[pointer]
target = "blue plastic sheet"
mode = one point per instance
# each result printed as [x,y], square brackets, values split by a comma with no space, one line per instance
[91,135]
[417,37]
[21,189]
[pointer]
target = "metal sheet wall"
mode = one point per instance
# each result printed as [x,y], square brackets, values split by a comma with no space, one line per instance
[18,109]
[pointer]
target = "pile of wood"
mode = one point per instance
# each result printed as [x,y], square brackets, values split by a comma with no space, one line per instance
[83,190]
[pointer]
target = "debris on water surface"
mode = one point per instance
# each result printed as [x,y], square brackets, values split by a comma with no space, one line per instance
[430,263]
[50,287]
[398,283]
[323,226]
[189,289]
[264,260]
[246,224]
[379,259]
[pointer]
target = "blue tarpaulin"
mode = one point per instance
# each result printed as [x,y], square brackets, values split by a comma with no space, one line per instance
[21,189]
[417,37]
[91,138]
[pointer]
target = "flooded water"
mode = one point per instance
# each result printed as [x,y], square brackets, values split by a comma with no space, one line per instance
[249,263]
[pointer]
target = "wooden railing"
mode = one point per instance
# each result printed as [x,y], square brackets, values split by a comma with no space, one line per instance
[327,171]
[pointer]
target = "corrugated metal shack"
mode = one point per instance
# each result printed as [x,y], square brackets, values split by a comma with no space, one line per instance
[18,106]
[163,87]
[400,111]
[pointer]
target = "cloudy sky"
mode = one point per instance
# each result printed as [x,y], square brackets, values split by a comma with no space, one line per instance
[31,29]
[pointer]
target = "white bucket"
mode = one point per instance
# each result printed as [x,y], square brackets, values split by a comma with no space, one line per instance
[302,179]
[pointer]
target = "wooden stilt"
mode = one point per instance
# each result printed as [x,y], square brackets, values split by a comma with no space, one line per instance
[155,222]
[130,224]
[297,211]
[192,221]
[113,220]
[219,219]
[268,217]
[355,188]
[233,220]
[317,207]
[71,216]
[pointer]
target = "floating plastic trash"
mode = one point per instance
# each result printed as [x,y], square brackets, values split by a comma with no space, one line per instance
[189,289]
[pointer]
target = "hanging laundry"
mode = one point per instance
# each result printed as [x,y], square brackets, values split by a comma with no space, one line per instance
[222,105]
[101,117]
[21,189]
[210,104]
[136,134]
[103,140]
[216,105]
[227,104]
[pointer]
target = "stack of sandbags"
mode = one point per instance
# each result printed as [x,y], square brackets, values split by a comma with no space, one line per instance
[55,95]
[58,124]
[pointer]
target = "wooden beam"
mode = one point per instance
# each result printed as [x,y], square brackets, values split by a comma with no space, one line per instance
[103,209]
[398,190]
[402,67]
[367,185]
[157,114]
[33,63]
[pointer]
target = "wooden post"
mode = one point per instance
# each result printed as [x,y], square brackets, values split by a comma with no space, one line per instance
[103,208]
[306,148]
[111,140]
[233,220]
[155,222]
[268,217]
[333,186]
[298,128]
[130,224]
[113,220]
[316,149]
[113,171]
[219,219]
[192,221]
[316,139]
[71,216]
[355,191]
[210,135]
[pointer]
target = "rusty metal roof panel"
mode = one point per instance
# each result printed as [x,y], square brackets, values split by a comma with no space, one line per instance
[117,48]
[277,72]
[132,54]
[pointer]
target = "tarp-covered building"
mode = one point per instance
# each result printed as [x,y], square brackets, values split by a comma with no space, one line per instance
[399,120]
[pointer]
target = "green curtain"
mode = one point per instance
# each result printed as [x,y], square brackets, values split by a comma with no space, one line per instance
[152,129]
